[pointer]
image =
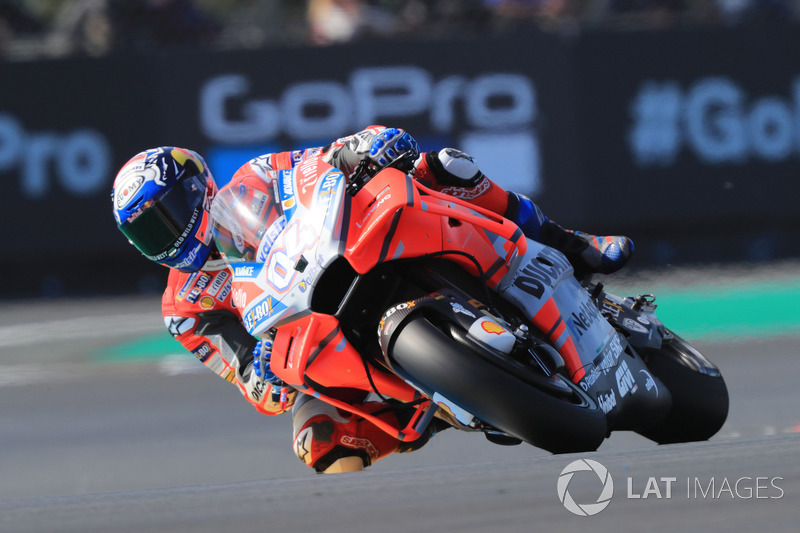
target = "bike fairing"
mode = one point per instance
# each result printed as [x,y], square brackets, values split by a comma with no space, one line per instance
[379,230]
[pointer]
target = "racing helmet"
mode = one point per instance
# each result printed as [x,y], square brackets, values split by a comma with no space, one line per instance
[162,199]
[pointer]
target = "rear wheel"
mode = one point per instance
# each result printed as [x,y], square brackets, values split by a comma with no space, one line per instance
[569,421]
[699,394]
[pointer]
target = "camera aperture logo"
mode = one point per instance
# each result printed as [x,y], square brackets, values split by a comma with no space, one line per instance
[585,509]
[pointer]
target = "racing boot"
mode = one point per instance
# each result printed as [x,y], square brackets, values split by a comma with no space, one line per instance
[332,441]
[589,254]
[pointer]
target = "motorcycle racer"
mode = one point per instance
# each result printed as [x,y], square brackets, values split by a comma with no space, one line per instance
[162,200]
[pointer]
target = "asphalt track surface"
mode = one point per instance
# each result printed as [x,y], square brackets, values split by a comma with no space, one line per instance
[164,446]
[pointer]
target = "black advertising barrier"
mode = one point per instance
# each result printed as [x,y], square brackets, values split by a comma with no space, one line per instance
[489,97]
[692,140]
[654,134]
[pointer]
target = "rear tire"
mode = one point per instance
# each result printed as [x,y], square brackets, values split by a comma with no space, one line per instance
[427,356]
[699,400]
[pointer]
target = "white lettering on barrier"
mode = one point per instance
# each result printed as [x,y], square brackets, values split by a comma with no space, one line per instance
[303,96]
[390,92]
[260,121]
[315,109]
[81,159]
[716,120]
[499,108]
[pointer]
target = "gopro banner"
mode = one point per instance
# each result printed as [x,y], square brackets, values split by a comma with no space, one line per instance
[693,138]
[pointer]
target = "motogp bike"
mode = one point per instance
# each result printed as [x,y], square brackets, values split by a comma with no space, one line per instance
[447,310]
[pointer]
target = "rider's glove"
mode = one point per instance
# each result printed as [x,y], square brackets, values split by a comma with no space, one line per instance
[393,147]
[263,388]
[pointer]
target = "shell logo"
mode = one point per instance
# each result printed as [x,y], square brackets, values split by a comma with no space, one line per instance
[490,327]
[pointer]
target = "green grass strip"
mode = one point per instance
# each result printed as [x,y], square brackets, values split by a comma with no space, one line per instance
[745,310]
[149,348]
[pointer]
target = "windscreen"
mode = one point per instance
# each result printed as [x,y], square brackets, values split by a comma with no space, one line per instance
[245,219]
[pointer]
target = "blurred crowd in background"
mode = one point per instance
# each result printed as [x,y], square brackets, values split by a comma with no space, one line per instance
[40,29]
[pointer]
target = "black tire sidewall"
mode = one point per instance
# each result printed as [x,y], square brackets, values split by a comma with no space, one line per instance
[436,362]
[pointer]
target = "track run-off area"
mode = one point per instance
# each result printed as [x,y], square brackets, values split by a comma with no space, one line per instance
[107,425]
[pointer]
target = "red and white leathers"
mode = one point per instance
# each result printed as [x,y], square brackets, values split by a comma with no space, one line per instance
[199,312]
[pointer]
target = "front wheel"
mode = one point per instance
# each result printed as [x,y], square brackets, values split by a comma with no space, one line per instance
[435,361]
[699,394]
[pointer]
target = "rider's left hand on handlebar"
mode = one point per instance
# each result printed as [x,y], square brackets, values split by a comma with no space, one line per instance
[282,394]
[393,147]
[261,386]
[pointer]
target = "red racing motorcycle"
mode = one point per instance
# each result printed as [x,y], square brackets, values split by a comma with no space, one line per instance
[385,286]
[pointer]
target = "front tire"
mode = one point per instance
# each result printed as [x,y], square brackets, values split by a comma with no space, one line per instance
[433,360]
